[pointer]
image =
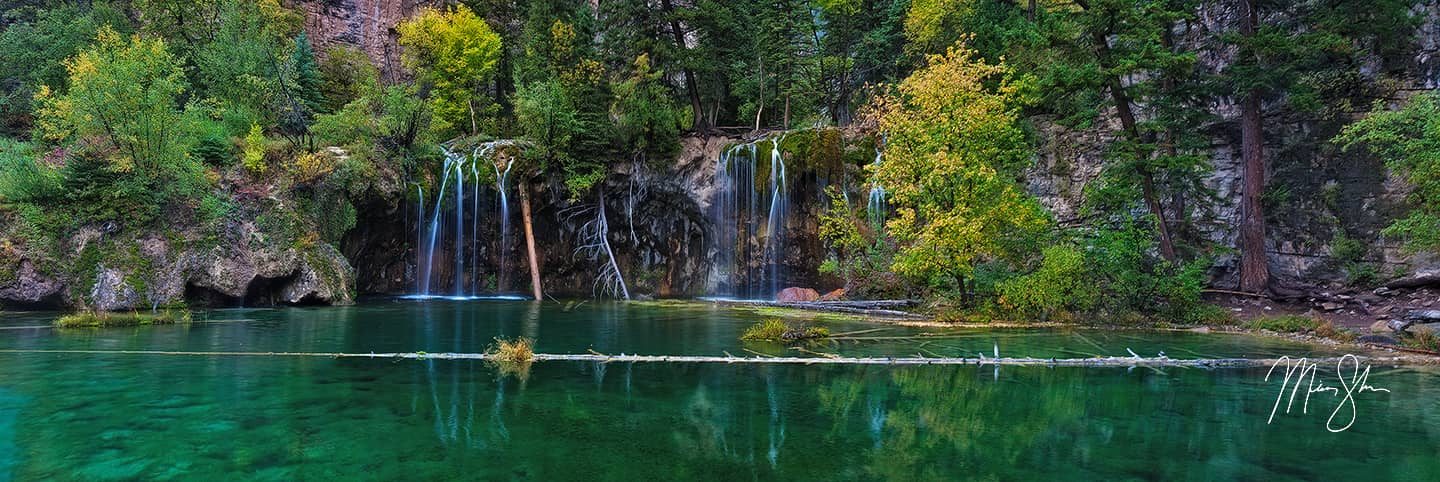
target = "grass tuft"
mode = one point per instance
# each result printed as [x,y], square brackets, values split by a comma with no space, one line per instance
[774,329]
[1424,340]
[102,319]
[1286,324]
[519,350]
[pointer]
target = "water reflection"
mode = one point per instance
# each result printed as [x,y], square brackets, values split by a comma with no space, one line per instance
[919,423]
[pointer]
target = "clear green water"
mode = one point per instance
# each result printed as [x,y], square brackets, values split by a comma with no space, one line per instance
[147,417]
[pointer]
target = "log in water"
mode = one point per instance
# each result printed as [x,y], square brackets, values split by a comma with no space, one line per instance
[917,360]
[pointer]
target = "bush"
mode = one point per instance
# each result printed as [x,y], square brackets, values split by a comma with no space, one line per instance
[254,151]
[100,319]
[23,178]
[774,329]
[1285,323]
[1062,283]
[1135,281]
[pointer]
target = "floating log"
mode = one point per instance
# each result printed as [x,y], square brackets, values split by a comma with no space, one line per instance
[1112,361]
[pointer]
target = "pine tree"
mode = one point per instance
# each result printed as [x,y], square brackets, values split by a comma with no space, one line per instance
[307,74]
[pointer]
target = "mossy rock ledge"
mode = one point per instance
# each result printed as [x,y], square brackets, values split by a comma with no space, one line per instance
[122,273]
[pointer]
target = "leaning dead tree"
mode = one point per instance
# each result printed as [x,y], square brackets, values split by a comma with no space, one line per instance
[595,244]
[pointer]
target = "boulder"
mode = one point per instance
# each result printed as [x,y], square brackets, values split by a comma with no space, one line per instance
[797,295]
[836,295]
[111,292]
[1380,326]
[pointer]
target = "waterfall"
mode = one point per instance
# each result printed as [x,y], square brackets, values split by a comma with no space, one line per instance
[779,206]
[876,207]
[745,213]
[433,235]
[500,177]
[459,223]
[434,229]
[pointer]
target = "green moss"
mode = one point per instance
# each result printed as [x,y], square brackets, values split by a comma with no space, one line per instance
[94,319]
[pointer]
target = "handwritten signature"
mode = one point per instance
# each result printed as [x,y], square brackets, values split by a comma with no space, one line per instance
[1298,370]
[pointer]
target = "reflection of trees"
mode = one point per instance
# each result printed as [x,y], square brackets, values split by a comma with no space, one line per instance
[921,420]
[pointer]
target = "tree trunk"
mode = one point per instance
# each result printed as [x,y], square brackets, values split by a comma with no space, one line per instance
[1147,178]
[690,84]
[530,241]
[1254,267]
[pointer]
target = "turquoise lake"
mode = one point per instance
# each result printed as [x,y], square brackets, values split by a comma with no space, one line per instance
[112,416]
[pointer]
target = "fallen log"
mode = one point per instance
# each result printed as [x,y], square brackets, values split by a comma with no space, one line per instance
[1111,361]
[1419,279]
[828,307]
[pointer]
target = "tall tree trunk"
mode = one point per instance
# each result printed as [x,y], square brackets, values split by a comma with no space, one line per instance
[530,241]
[1254,267]
[1147,178]
[690,84]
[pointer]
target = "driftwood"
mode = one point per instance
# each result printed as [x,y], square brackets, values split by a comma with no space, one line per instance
[1114,361]
[851,307]
[1419,279]
[1233,292]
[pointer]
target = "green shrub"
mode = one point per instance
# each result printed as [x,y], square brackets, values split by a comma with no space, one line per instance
[1285,323]
[214,148]
[774,329]
[101,319]
[1062,283]
[253,150]
[768,330]
[23,178]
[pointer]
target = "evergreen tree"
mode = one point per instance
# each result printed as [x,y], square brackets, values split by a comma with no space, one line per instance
[307,74]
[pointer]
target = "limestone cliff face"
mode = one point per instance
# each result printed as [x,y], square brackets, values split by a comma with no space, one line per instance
[368,25]
[1317,194]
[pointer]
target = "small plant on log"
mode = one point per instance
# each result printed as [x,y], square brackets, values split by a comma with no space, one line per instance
[774,329]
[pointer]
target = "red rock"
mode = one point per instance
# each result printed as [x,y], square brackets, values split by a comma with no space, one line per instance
[795,295]
[836,295]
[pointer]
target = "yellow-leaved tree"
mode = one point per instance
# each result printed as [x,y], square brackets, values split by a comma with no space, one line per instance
[456,53]
[953,151]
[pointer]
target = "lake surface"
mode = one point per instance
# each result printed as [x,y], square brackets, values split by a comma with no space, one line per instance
[66,416]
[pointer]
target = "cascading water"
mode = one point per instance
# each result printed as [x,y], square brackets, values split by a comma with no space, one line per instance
[749,220]
[433,235]
[875,209]
[779,206]
[500,178]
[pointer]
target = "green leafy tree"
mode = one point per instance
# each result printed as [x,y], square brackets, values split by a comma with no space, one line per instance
[126,92]
[953,149]
[238,59]
[455,52]
[345,73]
[35,50]
[1408,140]
[646,119]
